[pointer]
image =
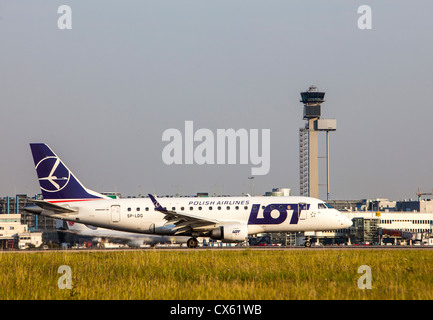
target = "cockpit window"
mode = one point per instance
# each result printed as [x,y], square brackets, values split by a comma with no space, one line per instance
[324,206]
[328,206]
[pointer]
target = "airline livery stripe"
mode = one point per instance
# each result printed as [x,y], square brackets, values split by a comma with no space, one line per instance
[72,200]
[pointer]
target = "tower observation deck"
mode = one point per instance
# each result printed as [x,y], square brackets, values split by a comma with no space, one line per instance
[312,100]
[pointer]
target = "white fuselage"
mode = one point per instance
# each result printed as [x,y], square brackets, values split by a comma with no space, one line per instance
[260,214]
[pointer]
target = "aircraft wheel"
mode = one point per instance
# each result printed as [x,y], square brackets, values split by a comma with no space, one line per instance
[307,244]
[192,243]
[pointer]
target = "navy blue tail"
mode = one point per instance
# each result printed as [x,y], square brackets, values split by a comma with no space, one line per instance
[57,182]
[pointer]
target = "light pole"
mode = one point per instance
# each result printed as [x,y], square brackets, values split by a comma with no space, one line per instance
[251,182]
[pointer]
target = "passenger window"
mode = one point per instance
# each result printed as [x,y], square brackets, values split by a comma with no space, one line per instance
[210,208]
[138,209]
[147,209]
[129,209]
[190,208]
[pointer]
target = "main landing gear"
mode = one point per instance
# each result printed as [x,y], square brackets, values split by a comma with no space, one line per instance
[307,243]
[192,243]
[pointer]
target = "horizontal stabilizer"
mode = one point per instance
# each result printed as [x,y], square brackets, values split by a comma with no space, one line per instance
[52,207]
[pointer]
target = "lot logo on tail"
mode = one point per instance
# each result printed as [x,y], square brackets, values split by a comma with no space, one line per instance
[52,173]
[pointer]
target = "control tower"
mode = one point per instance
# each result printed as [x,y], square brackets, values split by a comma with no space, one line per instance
[308,142]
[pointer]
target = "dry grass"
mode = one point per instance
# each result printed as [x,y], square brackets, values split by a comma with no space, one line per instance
[216,274]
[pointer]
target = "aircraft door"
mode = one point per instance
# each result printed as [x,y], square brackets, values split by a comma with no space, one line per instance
[302,207]
[115,213]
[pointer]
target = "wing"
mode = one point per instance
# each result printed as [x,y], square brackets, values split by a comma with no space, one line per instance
[185,222]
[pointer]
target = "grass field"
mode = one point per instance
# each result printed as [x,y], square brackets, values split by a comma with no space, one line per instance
[218,274]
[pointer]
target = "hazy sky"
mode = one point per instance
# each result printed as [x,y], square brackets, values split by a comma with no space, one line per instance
[102,94]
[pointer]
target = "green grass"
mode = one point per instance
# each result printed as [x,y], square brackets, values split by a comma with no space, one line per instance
[217,274]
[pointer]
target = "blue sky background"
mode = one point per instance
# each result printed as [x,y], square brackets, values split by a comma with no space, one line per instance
[102,94]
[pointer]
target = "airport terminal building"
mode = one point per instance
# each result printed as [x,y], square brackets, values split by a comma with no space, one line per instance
[19,229]
[381,221]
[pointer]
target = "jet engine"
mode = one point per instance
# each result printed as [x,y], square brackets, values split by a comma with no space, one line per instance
[230,233]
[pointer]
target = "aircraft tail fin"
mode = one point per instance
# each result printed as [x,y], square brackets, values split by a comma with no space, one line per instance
[78,227]
[56,181]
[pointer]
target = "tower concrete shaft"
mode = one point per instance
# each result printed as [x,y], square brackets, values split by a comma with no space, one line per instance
[313,160]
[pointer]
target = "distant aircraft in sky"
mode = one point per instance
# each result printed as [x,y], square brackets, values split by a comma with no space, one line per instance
[229,219]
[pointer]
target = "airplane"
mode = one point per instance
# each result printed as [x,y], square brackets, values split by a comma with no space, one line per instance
[229,219]
[130,238]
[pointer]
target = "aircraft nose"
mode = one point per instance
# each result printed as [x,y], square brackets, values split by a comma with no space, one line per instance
[346,222]
[343,220]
